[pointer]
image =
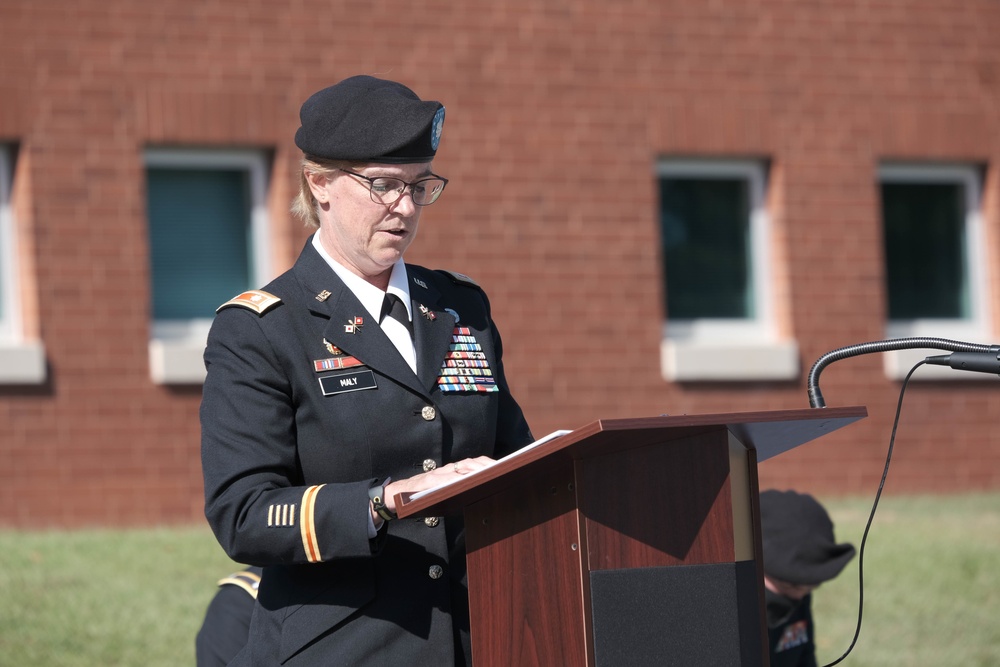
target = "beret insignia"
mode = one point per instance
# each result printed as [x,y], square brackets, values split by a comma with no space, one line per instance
[436,127]
[256,300]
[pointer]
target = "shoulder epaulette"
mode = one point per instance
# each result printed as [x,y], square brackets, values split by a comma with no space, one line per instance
[461,278]
[247,580]
[256,300]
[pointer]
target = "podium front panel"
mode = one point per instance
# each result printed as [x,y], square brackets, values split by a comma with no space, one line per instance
[664,504]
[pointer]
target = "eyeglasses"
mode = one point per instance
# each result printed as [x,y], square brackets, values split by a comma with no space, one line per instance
[387,191]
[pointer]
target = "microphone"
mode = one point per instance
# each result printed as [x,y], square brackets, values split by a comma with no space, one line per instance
[986,361]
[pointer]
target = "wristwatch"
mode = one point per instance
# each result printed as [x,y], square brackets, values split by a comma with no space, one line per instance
[377,495]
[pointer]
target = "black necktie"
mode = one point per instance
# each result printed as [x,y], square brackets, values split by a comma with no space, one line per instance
[392,306]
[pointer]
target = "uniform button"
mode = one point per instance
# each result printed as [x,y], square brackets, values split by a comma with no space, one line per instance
[428,413]
[432,521]
[435,571]
[429,464]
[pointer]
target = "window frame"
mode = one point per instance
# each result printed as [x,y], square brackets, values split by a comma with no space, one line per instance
[9,308]
[22,361]
[731,349]
[975,328]
[760,326]
[176,347]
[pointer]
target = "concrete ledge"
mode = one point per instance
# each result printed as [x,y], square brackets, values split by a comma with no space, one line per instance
[176,362]
[22,363]
[717,361]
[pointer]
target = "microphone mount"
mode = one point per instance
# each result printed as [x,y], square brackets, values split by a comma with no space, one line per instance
[961,360]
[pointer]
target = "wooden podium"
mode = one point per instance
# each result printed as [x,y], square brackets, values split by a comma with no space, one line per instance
[627,542]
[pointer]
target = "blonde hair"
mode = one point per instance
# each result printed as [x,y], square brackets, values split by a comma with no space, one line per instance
[304,205]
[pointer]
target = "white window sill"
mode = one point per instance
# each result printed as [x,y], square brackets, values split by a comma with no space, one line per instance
[22,363]
[177,361]
[718,361]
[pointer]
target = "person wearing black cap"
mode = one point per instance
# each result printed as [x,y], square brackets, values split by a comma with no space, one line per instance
[800,553]
[349,379]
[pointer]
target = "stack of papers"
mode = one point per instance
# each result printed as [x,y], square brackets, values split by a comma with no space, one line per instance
[526,448]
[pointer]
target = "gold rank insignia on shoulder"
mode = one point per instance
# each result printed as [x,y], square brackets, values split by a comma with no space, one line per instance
[256,300]
[247,580]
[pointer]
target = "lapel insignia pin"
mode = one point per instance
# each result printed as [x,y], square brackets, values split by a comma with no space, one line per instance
[420,282]
[331,348]
[323,296]
[354,325]
[427,312]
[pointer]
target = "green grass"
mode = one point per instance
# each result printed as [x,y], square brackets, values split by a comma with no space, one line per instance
[931,584]
[106,597]
[136,598]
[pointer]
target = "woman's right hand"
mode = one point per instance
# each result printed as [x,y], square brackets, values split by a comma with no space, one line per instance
[431,479]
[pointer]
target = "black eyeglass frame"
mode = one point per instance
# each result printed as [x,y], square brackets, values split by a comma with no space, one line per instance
[371,186]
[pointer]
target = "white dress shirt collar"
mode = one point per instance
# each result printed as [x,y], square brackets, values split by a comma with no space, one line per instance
[370,296]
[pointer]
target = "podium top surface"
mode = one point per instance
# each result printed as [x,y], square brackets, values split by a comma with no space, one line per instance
[770,433]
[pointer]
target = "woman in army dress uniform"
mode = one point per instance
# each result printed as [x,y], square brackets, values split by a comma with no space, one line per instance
[320,404]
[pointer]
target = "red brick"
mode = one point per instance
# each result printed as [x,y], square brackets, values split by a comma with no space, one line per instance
[556,115]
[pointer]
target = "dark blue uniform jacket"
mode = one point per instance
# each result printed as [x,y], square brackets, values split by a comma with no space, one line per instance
[289,453]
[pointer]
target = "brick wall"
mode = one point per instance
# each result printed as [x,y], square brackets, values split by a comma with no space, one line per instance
[557,112]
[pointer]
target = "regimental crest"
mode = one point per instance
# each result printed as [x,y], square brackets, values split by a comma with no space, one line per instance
[794,635]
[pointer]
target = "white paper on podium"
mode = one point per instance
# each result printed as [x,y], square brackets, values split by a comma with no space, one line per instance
[536,443]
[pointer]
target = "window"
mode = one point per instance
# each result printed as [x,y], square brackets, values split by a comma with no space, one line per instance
[7,256]
[934,264]
[21,361]
[207,240]
[715,237]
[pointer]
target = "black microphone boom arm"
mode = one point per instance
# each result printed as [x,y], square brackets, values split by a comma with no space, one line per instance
[967,356]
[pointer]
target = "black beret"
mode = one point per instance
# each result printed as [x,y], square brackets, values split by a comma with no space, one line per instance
[798,542]
[365,119]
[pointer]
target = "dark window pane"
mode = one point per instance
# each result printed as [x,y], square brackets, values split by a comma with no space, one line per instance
[5,253]
[924,245]
[199,234]
[706,247]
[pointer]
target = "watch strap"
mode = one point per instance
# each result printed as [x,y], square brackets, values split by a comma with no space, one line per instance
[377,496]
